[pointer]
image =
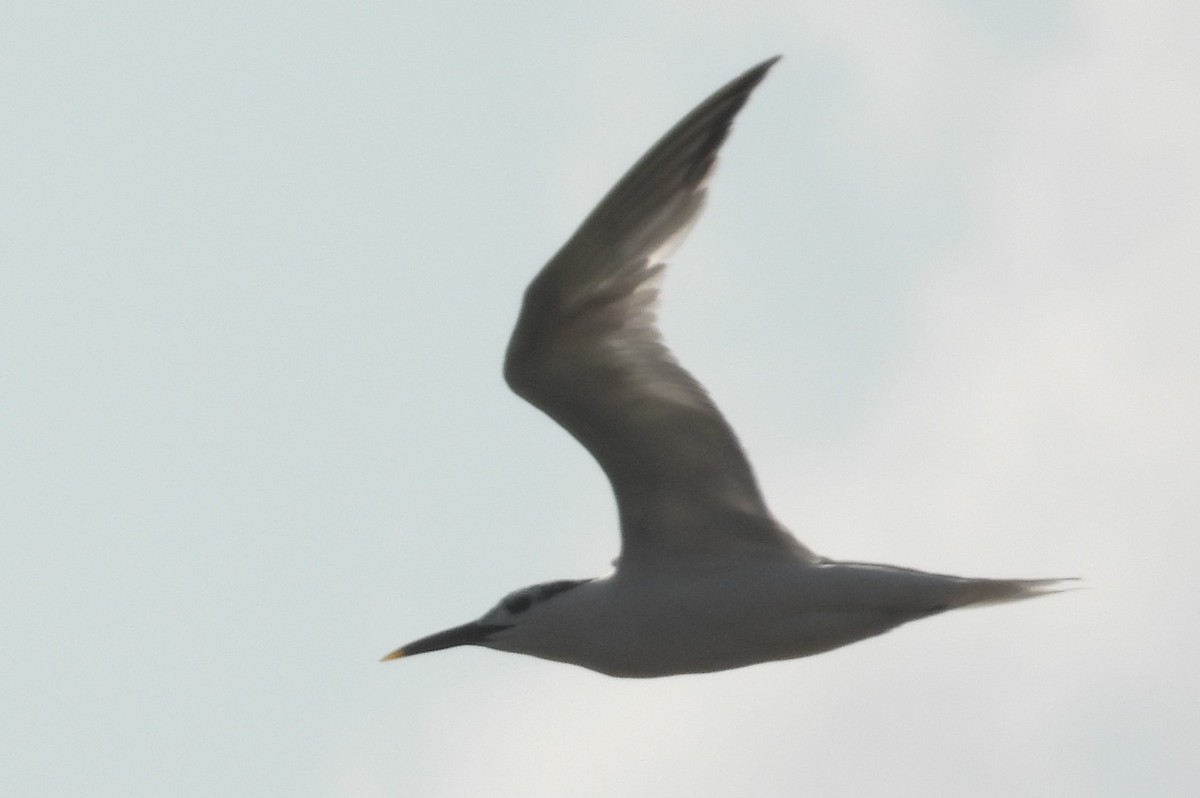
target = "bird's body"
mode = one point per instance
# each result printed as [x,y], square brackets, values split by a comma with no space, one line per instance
[707,579]
[714,613]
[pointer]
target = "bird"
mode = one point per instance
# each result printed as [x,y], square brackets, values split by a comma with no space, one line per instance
[707,579]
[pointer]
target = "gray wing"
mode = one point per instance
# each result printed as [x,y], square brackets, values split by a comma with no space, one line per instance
[587,352]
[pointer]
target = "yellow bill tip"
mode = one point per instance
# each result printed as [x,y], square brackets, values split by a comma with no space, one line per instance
[397,654]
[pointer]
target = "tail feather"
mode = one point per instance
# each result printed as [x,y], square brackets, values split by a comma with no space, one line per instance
[980,592]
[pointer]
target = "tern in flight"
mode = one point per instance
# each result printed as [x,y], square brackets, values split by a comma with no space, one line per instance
[707,579]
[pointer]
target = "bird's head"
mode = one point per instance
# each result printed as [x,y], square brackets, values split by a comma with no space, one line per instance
[517,608]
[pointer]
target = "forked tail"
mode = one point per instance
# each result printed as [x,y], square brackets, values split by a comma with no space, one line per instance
[979,592]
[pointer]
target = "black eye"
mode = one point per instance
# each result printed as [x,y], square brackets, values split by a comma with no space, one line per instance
[518,604]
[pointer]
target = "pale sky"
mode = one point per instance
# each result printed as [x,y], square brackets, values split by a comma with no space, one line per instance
[258,267]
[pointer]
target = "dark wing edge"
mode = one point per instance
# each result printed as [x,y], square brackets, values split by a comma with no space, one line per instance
[652,207]
[587,352]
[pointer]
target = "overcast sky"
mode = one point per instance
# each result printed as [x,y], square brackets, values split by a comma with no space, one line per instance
[258,266]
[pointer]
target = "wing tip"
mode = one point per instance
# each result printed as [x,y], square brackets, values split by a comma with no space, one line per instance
[755,74]
[727,102]
[766,64]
